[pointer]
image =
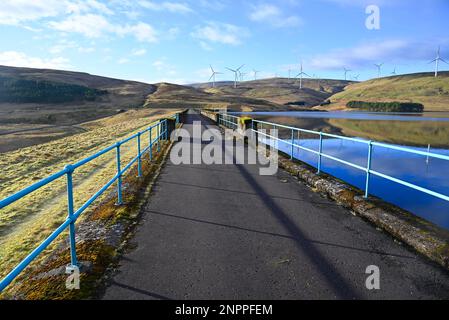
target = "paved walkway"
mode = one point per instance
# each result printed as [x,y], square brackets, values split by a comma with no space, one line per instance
[225,232]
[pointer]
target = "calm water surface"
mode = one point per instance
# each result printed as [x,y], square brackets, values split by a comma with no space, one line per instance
[430,173]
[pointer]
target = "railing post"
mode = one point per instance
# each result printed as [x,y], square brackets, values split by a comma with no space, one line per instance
[166,129]
[70,209]
[139,156]
[292,143]
[320,153]
[368,168]
[159,130]
[151,144]
[119,178]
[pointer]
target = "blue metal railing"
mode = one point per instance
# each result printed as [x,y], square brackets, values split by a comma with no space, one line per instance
[231,121]
[228,120]
[161,131]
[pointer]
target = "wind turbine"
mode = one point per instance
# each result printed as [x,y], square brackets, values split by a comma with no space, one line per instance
[356,78]
[346,72]
[242,76]
[300,75]
[236,74]
[394,72]
[437,62]
[212,77]
[379,67]
[255,72]
[289,74]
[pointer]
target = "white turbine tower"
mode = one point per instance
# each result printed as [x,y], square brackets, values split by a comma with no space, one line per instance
[255,72]
[394,72]
[300,75]
[242,76]
[379,68]
[236,74]
[212,77]
[346,73]
[437,62]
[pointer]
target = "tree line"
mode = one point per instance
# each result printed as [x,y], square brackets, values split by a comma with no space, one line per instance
[386,106]
[41,91]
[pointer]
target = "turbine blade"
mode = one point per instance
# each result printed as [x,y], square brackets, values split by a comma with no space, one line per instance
[211,77]
[240,67]
[231,69]
[434,60]
[443,60]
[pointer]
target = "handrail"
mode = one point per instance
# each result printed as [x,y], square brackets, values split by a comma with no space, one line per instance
[161,130]
[224,120]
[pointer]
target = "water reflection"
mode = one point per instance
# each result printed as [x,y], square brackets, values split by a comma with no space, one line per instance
[432,174]
[379,116]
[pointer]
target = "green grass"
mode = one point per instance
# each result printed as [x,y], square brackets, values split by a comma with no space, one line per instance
[423,88]
[24,224]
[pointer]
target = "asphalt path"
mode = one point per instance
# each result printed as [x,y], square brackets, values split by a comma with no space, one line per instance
[226,232]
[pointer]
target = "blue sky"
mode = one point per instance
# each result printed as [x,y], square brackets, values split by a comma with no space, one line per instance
[176,40]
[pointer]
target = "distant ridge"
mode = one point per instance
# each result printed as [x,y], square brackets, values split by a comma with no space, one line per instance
[423,88]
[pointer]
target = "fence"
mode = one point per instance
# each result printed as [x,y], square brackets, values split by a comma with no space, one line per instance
[161,131]
[231,121]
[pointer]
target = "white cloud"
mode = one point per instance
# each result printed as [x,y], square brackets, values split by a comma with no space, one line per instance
[123,61]
[16,12]
[174,7]
[96,26]
[143,32]
[20,59]
[62,46]
[90,25]
[162,66]
[273,15]
[86,50]
[139,52]
[222,33]
[364,55]
[212,4]
[83,6]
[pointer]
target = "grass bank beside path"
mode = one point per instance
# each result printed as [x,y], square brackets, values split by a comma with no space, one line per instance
[27,222]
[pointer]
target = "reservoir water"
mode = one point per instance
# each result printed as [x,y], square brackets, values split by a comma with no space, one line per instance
[432,173]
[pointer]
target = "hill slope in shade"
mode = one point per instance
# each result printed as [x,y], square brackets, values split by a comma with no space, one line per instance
[112,94]
[279,91]
[169,95]
[423,88]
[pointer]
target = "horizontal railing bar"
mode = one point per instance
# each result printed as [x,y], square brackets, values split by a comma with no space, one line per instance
[316,152]
[93,157]
[344,162]
[384,145]
[69,169]
[13,198]
[78,212]
[410,185]
[379,144]
[25,262]
[399,148]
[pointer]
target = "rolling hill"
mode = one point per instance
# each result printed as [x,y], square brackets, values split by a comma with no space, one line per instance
[282,92]
[423,88]
[41,96]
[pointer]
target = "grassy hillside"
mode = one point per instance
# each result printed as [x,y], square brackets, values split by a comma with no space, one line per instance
[40,91]
[24,224]
[40,96]
[279,91]
[423,88]
[175,96]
